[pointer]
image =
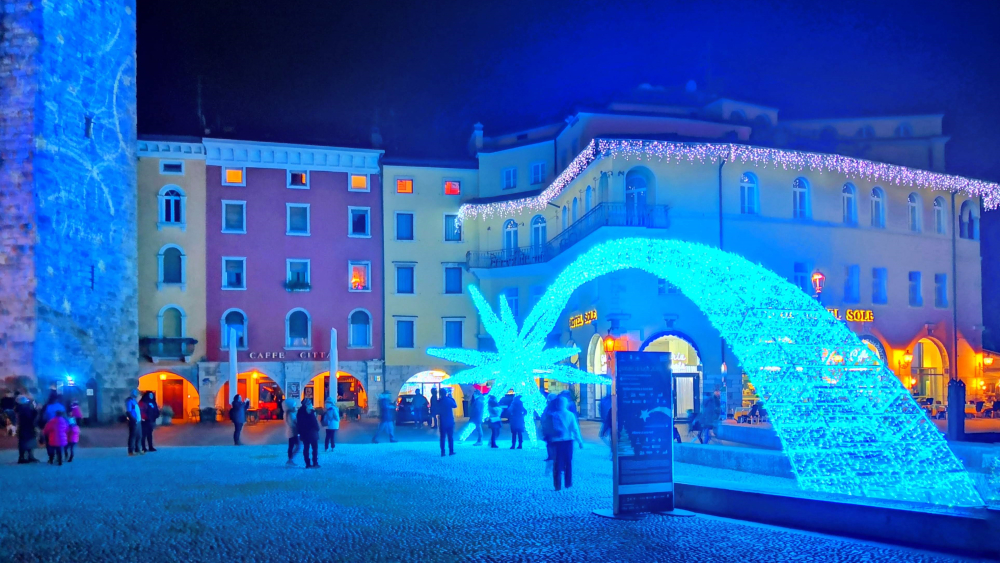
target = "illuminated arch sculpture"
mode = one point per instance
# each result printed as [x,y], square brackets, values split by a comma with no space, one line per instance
[846,423]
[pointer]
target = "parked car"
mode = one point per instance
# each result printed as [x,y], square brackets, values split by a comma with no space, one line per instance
[405,410]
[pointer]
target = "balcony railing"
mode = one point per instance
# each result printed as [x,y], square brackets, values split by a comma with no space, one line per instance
[604,215]
[157,349]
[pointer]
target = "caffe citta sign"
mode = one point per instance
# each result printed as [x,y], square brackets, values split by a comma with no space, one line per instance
[303,355]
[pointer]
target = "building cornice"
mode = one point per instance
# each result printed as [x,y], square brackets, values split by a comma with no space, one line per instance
[225,152]
[170,149]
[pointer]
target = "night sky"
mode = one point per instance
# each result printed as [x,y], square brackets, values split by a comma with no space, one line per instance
[424,72]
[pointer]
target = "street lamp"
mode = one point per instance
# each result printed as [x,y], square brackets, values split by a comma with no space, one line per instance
[818,281]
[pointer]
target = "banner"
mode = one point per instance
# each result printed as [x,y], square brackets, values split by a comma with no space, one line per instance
[641,411]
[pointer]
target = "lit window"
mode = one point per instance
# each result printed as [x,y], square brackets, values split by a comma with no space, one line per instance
[941,290]
[404,333]
[234,217]
[537,173]
[452,187]
[403,186]
[453,333]
[297,219]
[916,293]
[453,280]
[404,280]
[452,229]
[509,178]
[233,177]
[360,276]
[233,270]
[359,183]
[359,222]
[404,226]
[298,179]
[360,333]
[880,285]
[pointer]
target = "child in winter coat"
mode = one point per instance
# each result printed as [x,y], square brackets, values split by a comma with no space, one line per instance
[73,435]
[55,435]
[331,421]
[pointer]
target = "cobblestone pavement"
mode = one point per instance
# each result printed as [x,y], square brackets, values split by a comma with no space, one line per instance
[385,502]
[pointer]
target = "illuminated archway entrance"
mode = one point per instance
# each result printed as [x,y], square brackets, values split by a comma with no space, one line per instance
[174,391]
[433,379]
[685,362]
[928,370]
[349,394]
[264,394]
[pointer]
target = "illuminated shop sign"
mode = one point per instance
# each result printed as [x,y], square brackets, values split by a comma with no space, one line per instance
[854,315]
[576,321]
[281,355]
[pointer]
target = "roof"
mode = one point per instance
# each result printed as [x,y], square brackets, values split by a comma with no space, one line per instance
[459,164]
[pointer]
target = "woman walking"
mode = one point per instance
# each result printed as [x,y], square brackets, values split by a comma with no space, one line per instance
[308,428]
[515,416]
[565,431]
[26,416]
[494,411]
[331,421]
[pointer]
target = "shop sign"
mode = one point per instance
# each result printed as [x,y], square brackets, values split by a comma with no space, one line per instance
[854,315]
[304,355]
[576,321]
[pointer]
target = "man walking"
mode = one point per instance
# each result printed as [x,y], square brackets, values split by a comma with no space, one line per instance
[134,417]
[386,417]
[434,403]
[446,420]
[476,416]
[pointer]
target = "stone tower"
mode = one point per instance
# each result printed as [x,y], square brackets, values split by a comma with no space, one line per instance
[68,295]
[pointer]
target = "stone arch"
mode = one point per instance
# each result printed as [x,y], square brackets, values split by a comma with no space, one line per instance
[320,387]
[173,389]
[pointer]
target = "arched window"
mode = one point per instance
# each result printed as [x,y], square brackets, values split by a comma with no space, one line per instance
[915,212]
[968,220]
[538,232]
[638,183]
[866,132]
[850,208]
[360,329]
[565,217]
[800,198]
[298,329]
[878,208]
[749,198]
[904,130]
[576,209]
[510,235]
[234,319]
[738,116]
[172,203]
[171,263]
[939,220]
[170,322]
[588,199]
[602,187]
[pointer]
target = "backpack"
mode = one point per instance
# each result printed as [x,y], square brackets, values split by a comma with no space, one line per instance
[558,426]
[548,429]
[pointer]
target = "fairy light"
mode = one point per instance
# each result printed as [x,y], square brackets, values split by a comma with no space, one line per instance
[701,153]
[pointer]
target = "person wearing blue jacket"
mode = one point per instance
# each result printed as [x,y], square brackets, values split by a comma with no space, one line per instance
[446,406]
[238,414]
[308,428]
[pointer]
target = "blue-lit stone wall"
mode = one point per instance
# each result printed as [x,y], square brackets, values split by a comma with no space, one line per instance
[68,295]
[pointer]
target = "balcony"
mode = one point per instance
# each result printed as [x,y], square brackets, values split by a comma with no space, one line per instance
[604,215]
[177,349]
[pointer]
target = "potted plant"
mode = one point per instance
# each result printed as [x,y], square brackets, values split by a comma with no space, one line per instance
[166,415]
[295,285]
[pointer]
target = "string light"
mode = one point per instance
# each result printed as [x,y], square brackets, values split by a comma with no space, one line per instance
[702,153]
[846,423]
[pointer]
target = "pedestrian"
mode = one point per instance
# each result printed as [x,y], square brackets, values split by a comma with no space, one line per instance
[433,406]
[548,432]
[446,420]
[709,416]
[134,417]
[149,411]
[565,431]
[331,421]
[55,435]
[386,417]
[73,436]
[515,416]
[26,415]
[494,410]
[605,433]
[238,414]
[419,408]
[291,430]
[308,428]
[570,401]
[280,399]
[476,416]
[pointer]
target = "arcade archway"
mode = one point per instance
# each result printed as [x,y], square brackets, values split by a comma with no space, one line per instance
[349,393]
[174,391]
[433,379]
[264,394]
[927,370]
[685,363]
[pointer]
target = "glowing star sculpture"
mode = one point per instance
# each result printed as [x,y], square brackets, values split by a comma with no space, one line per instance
[516,364]
[846,423]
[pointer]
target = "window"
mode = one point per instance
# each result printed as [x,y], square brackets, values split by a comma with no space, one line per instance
[852,284]
[510,235]
[404,279]
[404,333]
[404,226]
[234,319]
[565,217]
[172,204]
[915,212]
[234,273]
[968,220]
[849,206]
[866,132]
[298,328]
[172,264]
[749,198]
[941,290]
[297,275]
[234,217]
[233,177]
[297,219]
[939,220]
[576,209]
[359,224]
[172,167]
[360,333]
[298,179]
[880,285]
[663,287]
[170,322]
[452,229]
[509,178]
[359,183]
[511,294]
[800,198]
[535,294]
[800,277]
[878,208]
[359,275]
[537,172]
[904,130]
[404,185]
[453,333]
[588,199]
[453,280]
[538,233]
[916,293]
[452,187]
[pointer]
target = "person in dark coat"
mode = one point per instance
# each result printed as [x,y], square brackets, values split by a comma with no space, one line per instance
[52,406]
[476,410]
[515,416]
[419,408]
[238,414]
[386,417]
[26,416]
[605,433]
[570,403]
[446,420]
[308,427]
[150,412]
[433,405]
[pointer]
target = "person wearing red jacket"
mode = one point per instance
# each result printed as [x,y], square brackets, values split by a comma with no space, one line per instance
[55,435]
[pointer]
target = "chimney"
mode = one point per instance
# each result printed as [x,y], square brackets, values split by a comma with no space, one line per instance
[476,140]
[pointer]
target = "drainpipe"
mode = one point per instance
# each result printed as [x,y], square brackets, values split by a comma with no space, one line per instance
[381,203]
